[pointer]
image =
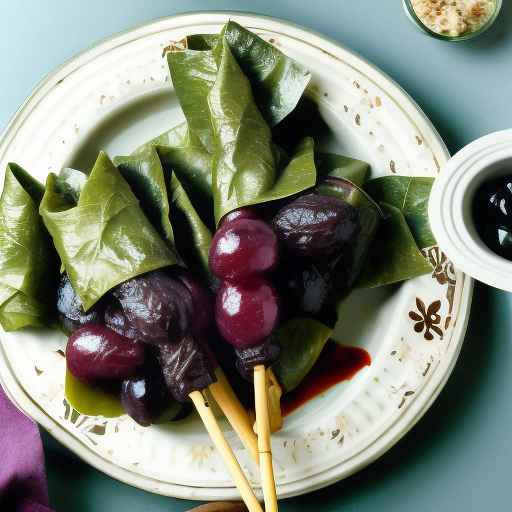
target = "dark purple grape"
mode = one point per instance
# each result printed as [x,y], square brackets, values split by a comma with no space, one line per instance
[247,212]
[315,289]
[202,301]
[243,248]
[95,353]
[246,313]
[145,396]
[157,306]
[70,309]
[316,226]
[265,353]
[116,320]
[186,367]
[308,286]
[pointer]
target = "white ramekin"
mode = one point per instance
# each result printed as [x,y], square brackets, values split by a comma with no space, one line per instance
[451,208]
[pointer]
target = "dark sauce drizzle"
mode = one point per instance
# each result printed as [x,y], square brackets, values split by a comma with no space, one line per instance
[336,363]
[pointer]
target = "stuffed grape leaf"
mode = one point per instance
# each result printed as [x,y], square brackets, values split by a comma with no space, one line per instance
[145,175]
[182,153]
[410,195]
[278,81]
[394,255]
[105,238]
[160,190]
[244,170]
[28,262]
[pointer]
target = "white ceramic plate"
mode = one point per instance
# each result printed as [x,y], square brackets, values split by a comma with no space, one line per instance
[115,97]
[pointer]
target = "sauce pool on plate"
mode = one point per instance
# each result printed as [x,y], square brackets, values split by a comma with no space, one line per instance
[336,363]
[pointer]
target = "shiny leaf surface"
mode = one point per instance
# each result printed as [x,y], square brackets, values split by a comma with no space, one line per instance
[278,82]
[193,238]
[145,175]
[92,401]
[106,238]
[301,340]
[244,161]
[163,196]
[193,75]
[28,263]
[410,195]
[245,169]
[394,255]
[182,153]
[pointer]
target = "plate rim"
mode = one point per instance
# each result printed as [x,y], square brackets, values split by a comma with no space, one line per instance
[432,389]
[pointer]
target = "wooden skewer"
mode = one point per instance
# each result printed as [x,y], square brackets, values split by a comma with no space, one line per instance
[234,412]
[268,484]
[210,422]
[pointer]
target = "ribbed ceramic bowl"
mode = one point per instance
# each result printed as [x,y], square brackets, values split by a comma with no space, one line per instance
[451,207]
[116,96]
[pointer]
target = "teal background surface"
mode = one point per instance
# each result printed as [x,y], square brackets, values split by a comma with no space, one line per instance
[459,456]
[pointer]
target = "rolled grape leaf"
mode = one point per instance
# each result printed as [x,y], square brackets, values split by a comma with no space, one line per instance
[182,153]
[28,262]
[105,238]
[193,238]
[193,74]
[302,341]
[338,166]
[159,190]
[394,255]
[410,195]
[297,175]
[145,175]
[244,172]
[278,82]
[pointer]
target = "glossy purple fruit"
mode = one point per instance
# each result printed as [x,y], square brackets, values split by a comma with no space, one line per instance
[247,212]
[95,353]
[70,309]
[246,313]
[316,226]
[265,353]
[115,319]
[145,396]
[157,306]
[186,367]
[243,248]
[314,289]
[202,302]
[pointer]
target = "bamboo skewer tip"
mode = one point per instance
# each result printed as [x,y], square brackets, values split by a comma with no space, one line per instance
[235,413]
[216,435]
[268,484]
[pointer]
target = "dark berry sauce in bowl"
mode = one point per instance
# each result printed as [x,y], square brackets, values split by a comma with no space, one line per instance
[492,215]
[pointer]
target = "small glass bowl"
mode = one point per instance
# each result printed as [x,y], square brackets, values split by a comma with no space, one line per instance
[411,14]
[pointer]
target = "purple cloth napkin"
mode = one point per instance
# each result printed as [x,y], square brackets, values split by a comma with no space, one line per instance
[22,476]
